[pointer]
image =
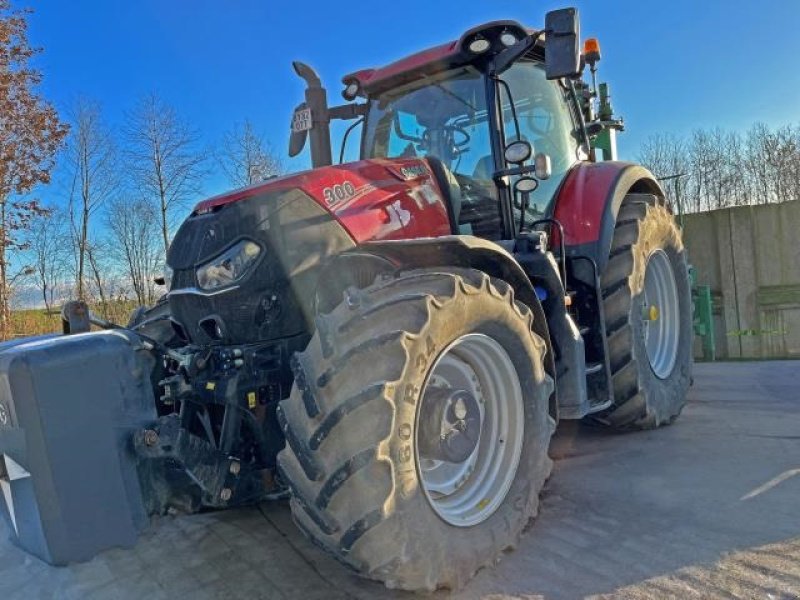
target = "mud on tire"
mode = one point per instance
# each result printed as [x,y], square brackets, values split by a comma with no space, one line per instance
[642,399]
[349,423]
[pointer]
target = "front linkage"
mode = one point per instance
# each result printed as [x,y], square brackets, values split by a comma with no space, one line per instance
[211,448]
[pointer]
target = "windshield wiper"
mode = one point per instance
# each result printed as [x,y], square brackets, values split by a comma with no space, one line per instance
[449,93]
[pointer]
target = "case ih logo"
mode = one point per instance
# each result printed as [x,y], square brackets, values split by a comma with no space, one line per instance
[414,172]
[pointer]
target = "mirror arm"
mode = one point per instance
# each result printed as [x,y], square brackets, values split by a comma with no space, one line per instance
[348,111]
[346,135]
[526,202]
[510,55]
[500,177]
[587,141]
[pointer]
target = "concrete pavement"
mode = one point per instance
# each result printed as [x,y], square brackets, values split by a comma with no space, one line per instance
[709,507]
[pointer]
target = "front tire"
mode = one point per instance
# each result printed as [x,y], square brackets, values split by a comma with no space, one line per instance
[381,368]
[648,311]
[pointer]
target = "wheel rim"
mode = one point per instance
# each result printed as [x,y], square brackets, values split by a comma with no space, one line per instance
[467,493]
[660,314]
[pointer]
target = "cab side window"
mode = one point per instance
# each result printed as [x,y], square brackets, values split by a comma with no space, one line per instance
[545,120]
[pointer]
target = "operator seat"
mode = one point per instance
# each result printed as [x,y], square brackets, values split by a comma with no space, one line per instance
[484,168]
[450,188]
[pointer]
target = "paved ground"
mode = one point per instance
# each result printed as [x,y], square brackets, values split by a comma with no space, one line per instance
[709,507]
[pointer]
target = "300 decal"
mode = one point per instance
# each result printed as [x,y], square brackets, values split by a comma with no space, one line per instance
[339,193]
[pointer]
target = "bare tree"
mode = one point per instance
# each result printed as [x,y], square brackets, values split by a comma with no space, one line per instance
[720,168]
[31,133]
[772,162]
[96,255]
[782,156]
[91,158]
[164,157]
[727,168]
[135,230]
[666,155]
[756,163]
[48,237]
[739,184]
[246,158]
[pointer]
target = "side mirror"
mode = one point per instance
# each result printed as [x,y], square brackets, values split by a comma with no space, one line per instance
[562,54]
[526,185]
[542,166]
[301,124]
[518,152]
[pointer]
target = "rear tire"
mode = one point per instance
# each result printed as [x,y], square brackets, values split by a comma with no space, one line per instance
[650,384]
[352,458]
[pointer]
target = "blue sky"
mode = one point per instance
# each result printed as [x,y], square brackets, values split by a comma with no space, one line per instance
[672,66]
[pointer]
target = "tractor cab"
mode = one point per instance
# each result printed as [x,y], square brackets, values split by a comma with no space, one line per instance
[497,117]
[501,120]
[461,119]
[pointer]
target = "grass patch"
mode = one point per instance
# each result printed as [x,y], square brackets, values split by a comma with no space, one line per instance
[38,321]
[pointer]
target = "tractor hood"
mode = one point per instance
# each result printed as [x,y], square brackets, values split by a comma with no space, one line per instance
[246,264]
[375,199]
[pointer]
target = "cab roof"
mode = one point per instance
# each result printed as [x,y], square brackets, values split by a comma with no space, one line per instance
[436,59]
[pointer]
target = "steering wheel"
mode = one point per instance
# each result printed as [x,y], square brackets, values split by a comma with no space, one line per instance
[455,146]
[456,130]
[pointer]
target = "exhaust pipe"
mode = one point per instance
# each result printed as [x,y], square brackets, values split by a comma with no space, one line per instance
[312,116]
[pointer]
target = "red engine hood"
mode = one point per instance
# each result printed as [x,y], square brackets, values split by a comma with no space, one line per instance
[377,199]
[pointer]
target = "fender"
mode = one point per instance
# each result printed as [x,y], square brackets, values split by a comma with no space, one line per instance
[464,251]
[588,203]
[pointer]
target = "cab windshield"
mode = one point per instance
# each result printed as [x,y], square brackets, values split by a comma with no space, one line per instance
[444,117]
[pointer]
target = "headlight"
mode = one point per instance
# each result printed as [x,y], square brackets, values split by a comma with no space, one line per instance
[228,267]
[508,39]
[479,45]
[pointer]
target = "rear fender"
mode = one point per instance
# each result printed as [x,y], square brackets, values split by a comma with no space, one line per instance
[457,251]
[588,203]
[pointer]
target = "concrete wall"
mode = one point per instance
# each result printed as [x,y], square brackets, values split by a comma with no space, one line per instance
[750,256]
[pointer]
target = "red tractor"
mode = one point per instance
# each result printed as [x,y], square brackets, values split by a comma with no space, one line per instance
[391,342]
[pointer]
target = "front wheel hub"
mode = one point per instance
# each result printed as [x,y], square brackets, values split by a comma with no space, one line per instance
[473,403]
[450,425]
[661,314]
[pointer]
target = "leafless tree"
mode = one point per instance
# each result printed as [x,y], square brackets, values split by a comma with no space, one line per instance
[91,159]
[783,152]
[739,185]
[246,158]
[164,158]
[715,152]
[773,162]
[756,163]
[135,231]
[48,239]
[730,169]
[793,169]
[97,257]
[666,155]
